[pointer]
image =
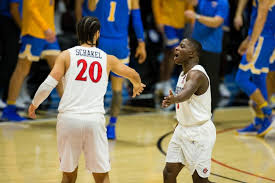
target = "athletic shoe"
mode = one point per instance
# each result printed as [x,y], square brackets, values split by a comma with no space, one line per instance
[111,131]
[2,104]
[266,127]
[248,130]
[10,114]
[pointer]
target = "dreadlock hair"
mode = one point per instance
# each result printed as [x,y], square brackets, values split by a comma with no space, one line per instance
[86,28]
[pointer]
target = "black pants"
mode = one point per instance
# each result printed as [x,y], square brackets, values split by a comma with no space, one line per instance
[9,40]
[211,63]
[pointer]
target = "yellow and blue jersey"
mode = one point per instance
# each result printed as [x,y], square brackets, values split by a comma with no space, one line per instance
[113,15]
[269,27]
[38,16]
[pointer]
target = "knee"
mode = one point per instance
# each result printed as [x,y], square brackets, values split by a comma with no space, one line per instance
[22,68]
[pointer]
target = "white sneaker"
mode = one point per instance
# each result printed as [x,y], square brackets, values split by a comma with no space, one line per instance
[224,91]
[2,104]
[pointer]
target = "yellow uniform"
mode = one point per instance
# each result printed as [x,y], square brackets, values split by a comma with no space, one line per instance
[170,12]
[38,16]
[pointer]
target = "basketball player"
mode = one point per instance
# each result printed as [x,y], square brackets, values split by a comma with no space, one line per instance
[114,16]
[38,41]
[195,135]
[81,122]
[256,63]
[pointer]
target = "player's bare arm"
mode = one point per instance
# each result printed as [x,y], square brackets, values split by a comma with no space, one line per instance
[140,51]
[50,83]
[78,9]
[119,68]
[258,26]
[196,83]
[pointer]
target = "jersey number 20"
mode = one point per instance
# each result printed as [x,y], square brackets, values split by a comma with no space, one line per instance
[111,17]
[80,76]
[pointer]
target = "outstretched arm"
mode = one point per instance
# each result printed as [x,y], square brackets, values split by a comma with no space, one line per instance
[258,26]
[119,68]
[49,84]
[194,81]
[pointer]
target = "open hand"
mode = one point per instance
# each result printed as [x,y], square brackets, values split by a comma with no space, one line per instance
[31,111]
[138,89]
[168,100]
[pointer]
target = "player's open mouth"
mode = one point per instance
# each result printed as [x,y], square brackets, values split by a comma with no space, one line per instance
[176,55]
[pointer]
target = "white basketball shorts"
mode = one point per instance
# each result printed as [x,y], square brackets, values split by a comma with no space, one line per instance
[192,146]
[77,133]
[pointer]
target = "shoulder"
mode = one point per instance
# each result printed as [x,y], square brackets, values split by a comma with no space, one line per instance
[111,59]
[196,76]
[64,56]
[65,53]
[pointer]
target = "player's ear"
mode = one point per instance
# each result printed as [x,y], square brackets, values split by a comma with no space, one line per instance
[97,34]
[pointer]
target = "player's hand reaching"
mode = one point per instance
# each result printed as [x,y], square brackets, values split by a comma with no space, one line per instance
[50,36]
[138,89]
[168,100]
[249,52]
[31,111]
[141,52]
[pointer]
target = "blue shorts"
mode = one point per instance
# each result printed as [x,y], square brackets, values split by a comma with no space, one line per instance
[33,48]
[261,58]
[173,36]
[116,47]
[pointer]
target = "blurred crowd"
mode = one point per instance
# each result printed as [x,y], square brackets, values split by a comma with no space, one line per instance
[166,23]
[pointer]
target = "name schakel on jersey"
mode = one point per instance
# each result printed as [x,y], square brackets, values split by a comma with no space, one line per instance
[87,53]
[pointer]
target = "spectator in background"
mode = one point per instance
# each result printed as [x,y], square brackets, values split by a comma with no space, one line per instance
[170,22]
[210,16]
[10,23]
[38,40]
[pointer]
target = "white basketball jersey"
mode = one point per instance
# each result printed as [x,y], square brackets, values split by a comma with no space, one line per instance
[197,109]
[85,81]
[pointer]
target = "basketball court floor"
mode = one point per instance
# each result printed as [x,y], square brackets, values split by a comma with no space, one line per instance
[28,152]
